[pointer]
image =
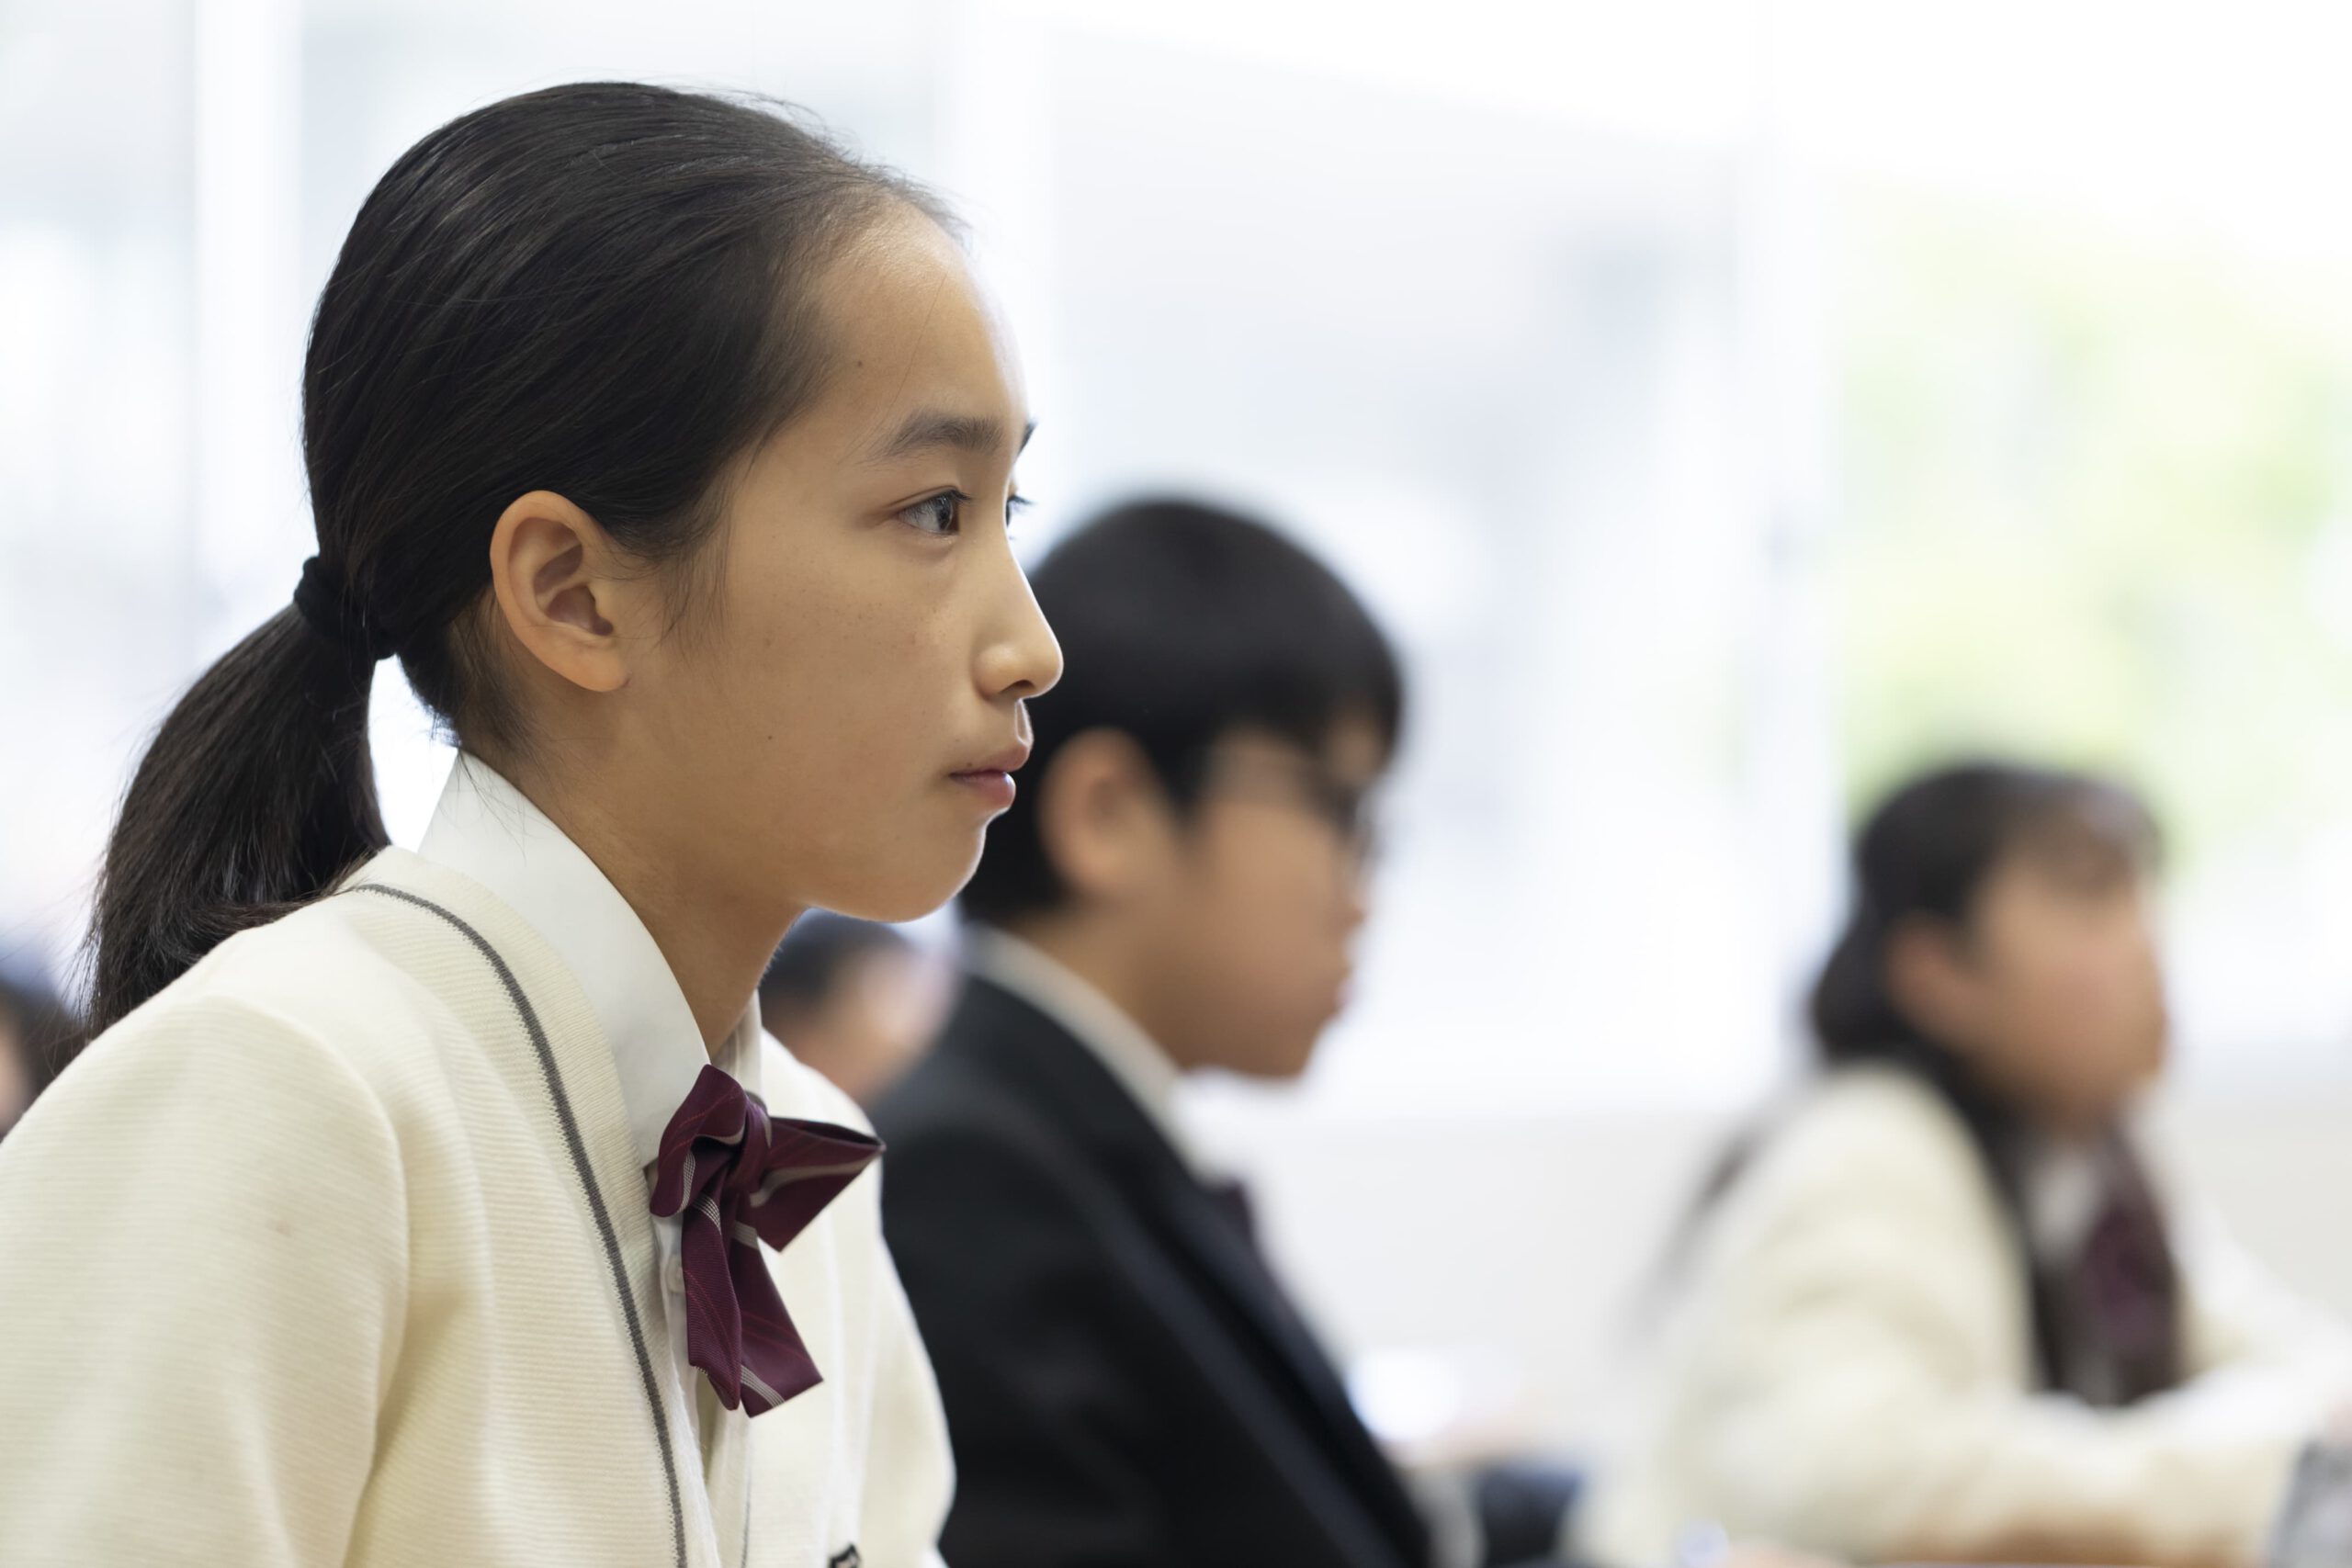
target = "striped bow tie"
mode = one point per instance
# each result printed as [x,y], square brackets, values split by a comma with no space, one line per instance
[741,1177]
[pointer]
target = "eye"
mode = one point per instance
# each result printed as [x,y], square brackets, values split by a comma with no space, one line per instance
[942,514]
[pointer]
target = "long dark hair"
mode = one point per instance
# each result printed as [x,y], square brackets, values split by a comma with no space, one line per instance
[603,290]
[1925,854]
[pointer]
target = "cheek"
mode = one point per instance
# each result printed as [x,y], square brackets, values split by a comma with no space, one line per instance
[2126,989]
[832,685]
[815,729]
[2107,976]
[1278,918]
[2100,1019]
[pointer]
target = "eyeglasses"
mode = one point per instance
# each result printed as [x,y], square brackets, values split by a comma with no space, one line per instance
[1350,809]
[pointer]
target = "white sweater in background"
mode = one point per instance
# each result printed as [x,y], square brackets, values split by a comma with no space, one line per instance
[338,1252]
[1847,1368]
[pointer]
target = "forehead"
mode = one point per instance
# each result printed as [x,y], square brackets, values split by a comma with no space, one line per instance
[2086,831]
[909,327]
[2063,864]
[1353,750]
[1356,749]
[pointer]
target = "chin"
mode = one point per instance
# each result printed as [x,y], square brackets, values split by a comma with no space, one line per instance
[1285,1060]
[908,892]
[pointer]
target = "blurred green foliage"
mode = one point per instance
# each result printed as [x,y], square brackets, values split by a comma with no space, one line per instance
[2096,508]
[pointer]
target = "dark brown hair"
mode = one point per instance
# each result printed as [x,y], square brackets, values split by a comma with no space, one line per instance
[603,289]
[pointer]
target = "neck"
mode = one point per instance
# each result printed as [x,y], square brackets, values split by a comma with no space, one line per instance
[715,943]
[1098,951]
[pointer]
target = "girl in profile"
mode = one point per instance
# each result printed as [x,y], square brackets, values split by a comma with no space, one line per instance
[1945,1309]
[450,1206]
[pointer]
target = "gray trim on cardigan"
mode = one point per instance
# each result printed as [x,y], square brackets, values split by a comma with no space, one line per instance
[579,1151]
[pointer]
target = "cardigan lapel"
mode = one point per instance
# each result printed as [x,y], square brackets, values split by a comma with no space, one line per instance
[562,1055]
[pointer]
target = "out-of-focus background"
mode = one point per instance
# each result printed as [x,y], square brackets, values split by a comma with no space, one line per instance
[1727,404]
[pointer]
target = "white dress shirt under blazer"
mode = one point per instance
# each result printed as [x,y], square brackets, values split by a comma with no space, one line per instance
[1132,1057]
[339,1251]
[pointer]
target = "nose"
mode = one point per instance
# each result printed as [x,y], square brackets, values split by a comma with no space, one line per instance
[1019,656]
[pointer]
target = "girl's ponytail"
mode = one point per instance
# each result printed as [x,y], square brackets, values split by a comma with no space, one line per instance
[256,795]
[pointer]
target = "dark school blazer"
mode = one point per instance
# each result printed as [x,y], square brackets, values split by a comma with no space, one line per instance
[1126,1385]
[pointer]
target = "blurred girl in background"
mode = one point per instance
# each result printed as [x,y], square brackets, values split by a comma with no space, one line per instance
[1944,1308]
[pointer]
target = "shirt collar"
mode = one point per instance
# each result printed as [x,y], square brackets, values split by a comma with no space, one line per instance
[486,829]
[2064,1185]
[1132,1057]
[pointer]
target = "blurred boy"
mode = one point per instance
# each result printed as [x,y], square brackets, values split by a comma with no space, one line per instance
[1177,888]
[855,1000]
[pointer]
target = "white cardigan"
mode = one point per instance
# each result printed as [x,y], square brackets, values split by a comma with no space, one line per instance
[1849,1365]
[338,1251]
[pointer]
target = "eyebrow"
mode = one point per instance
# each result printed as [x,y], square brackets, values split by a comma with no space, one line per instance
[929,428]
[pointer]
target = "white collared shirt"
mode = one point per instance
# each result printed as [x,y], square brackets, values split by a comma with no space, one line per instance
[1132,1057]
[486,829]
[2064,1188]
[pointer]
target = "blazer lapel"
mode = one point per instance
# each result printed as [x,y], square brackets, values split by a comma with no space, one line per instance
[1062,1076]
[1224,1255]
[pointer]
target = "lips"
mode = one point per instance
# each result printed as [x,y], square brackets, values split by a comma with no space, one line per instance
[991,779]
[1009,761]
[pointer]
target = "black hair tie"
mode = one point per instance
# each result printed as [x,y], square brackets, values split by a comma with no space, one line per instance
[333,613]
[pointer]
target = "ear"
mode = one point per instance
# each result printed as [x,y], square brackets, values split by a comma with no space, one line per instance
[1931,982]
[565,591]
[1103,819]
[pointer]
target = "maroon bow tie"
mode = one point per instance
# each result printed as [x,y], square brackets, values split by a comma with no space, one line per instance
[742,1176]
